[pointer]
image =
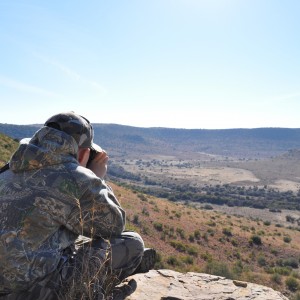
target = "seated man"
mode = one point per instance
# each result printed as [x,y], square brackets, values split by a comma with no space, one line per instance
[56,209]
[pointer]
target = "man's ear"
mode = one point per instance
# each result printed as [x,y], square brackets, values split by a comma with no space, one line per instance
[83,156]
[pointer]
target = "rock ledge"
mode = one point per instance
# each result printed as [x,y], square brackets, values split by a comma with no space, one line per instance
[171,285]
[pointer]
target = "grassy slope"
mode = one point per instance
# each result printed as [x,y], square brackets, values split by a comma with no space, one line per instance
[7,147]
[222,247]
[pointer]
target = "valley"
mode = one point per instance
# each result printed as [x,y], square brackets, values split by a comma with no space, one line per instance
[230,215]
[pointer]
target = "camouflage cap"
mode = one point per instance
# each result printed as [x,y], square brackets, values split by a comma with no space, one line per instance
[75,125]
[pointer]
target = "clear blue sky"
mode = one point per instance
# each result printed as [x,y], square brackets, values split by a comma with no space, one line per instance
[167,63]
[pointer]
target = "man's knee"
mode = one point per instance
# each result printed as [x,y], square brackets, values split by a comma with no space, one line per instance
[127,250]
[133,241]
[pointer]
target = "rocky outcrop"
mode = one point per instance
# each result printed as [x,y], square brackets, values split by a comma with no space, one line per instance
[171,285]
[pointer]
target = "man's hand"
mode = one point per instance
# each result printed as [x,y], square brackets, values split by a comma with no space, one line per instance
[99,164]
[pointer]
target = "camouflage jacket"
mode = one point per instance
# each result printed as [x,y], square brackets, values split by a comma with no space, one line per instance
[46,200]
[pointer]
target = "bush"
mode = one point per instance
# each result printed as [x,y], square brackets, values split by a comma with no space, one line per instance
[276,278]
[197,234]
[256,240]
[191,238]
[219,269]
[158,226]
[173,261]
[287,239]
[262,261]
[292,284]
[291,262]
[227,232]
[142,197]
[135,219]
[283,270]
[188,260]
[178,246]
[181,232]
[145,211]
[192,251]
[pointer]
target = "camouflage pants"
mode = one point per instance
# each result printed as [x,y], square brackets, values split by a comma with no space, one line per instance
[117,259]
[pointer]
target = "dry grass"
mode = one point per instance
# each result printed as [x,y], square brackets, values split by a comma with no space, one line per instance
[223,240]
[282,173]
[7,147]
[91,279]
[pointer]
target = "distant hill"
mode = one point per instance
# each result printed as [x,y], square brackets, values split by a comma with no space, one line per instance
[129,141]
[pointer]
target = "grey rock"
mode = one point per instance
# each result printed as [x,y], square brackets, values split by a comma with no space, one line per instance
[171,285]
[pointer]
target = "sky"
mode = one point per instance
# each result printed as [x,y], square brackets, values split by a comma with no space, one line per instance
[203,64]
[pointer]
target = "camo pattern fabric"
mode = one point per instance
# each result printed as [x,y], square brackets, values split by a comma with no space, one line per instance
[76,126]
[46,201]
[125,254]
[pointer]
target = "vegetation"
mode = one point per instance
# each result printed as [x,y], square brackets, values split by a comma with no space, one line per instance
[7,147]
[202,240]
[226,194]
[212,242]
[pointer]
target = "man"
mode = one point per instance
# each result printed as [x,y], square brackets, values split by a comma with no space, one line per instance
[52,196]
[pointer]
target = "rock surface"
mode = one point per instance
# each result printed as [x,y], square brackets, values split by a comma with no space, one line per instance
[171,285]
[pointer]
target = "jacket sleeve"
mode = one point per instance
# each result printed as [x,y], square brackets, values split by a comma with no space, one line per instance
[98,212]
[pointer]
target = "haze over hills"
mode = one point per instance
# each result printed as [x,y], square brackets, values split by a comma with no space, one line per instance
[129,141]
[165,159]
[261,156]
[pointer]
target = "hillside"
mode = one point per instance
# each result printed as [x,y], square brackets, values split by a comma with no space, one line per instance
[196,238]
[261,170]
[128,141]
[201,240]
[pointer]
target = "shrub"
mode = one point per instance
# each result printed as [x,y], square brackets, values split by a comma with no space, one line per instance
[276,278]
[256,240]
[158,226]
[197,234]
[145,211]
[188,260]
[287,239]
[290,262]
[283,270]
[262,261]
[292,284]
[212,223]
[227,232]
[219,269]
[178,215]
[135,219]
[178,246]
[192,251]
[191,238]
[142,197]
[234,243]
[210,231]
[181,233]
[173,261]
[206,256]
